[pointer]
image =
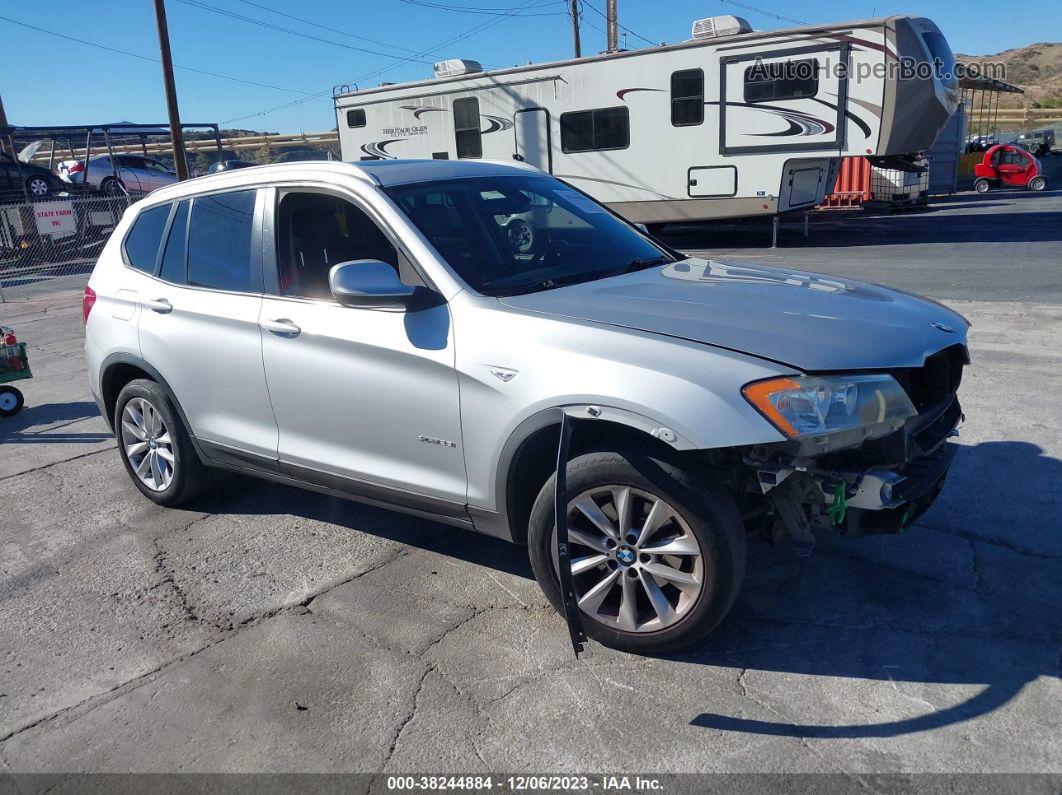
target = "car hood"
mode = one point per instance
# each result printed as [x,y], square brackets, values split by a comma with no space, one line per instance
[804,320]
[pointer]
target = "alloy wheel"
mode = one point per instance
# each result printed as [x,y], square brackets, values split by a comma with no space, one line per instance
[37,186]
[636,564]
[147,444]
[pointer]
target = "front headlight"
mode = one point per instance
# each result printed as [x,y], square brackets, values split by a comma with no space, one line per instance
[801,406]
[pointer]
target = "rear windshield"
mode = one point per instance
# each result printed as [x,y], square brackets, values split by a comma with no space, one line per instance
[505,235]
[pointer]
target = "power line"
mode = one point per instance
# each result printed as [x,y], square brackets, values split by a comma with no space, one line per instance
[765,13]
[605,16]
[524,4]
[148,58]
[326,27]
[490,11]
[282,29]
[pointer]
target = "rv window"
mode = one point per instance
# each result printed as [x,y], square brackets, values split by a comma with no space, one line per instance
[466,128]
[767,82]
[592,130]
[687,97]
[356,117]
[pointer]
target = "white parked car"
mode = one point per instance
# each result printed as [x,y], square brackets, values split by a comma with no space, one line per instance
[138,174]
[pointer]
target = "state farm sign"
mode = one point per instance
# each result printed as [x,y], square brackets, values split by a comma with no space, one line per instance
[55,218]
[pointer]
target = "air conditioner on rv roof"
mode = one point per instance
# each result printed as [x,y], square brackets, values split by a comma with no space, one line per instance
[714,27]
[457,66]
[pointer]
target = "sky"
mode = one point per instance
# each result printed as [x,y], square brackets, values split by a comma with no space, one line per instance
[267,78]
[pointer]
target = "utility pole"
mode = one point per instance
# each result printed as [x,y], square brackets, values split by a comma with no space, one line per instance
[612,26]
[176,134]
[575,28]
[3,123]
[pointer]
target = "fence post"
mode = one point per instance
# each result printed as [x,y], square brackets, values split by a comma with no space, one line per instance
[2,300]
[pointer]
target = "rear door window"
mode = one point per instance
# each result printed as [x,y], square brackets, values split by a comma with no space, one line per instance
[219,241]
[142,243]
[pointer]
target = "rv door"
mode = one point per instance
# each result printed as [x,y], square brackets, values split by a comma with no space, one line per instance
[786,100]
[531,127]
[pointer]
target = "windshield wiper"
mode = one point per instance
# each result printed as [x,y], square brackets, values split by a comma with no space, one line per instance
[641,264]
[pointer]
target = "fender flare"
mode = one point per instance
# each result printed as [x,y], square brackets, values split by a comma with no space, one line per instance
[580,411]
[127,358]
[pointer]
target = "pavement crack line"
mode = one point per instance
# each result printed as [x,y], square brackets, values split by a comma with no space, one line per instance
[747,693]
[409,717]
[54,464]
[85,706]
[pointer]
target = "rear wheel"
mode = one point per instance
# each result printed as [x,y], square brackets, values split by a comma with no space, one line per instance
[982,186]
[154,445]
[657,557]
[112,186]
[1037,184]
[11,401]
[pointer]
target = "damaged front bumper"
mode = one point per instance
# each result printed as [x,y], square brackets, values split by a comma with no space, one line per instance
[878,487]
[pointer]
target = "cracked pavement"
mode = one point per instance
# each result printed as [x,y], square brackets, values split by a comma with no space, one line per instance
[272,629]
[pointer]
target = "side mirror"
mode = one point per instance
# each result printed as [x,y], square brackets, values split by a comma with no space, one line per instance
[368,283]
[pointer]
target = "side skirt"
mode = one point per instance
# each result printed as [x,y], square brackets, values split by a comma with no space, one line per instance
[425,507]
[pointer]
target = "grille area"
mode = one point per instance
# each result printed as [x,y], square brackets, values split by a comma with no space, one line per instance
[936,380]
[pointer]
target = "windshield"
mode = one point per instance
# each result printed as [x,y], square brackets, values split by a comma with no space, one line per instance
[505,235]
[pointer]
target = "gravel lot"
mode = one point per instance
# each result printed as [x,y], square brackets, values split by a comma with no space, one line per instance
[273,629]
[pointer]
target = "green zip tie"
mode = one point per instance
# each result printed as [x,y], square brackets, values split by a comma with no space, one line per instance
[839,507]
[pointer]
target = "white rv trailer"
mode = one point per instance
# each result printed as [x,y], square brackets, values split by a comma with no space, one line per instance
[731,123]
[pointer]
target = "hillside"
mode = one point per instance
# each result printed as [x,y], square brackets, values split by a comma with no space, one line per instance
[1037,68]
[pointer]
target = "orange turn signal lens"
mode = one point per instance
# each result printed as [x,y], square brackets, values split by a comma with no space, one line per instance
[759,395]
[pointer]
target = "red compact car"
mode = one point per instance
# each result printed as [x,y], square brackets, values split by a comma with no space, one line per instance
[1005,164]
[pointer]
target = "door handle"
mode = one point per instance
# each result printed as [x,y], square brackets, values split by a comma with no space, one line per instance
[281,326]
[160,305]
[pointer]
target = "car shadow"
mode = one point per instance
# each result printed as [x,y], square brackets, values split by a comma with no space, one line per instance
[965,597]
[49,419]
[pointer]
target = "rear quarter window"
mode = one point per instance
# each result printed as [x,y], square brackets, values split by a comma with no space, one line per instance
[141,245]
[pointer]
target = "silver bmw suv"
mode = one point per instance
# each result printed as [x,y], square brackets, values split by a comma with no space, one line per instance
[410,334]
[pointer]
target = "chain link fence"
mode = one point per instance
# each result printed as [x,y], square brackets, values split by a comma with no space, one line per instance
[56,236]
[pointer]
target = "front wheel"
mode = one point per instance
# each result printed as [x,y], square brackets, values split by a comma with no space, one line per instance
[657,556]
[982,186]
[37,186]
[1037,184]
[11,401]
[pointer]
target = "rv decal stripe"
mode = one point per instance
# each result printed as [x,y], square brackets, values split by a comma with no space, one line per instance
[800,123]
[870,45]
[377,148]
[496,124]
[848,114]
[625,91]
[419,110]
[613,182]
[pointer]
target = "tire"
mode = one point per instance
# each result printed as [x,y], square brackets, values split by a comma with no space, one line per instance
[11,401]
[38,186]
[982,186]
[1037,184]
[164,481]
[112,186]
[703,517]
